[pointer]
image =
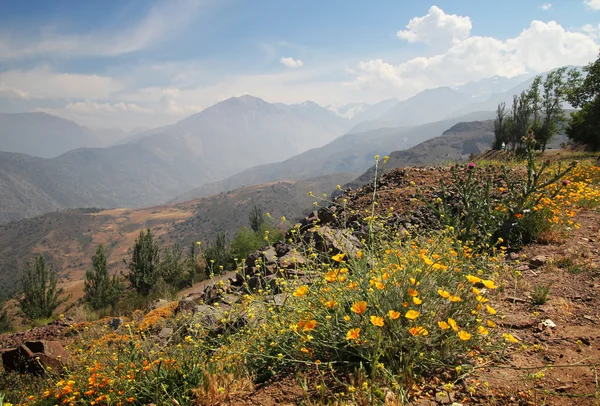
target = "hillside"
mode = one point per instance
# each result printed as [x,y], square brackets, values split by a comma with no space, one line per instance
[70,237]
[455,145]
[352,152]
[43,135]
[159,164]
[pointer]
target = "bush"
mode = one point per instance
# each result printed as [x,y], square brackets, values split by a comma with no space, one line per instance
[100,290]
[40,297]
[144,266]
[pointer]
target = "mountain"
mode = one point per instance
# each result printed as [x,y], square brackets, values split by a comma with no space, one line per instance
[352,153]
[359,112]
[482,90]
[42,135]
[162,163]
[425,107]
[455,144]
[75,234]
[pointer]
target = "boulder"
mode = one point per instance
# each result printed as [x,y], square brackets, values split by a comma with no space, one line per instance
[35,357]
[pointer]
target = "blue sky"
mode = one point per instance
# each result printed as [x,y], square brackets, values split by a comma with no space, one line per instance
[141,63]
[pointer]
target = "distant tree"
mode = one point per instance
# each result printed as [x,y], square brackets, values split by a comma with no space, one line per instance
[256,218]
[144,266]
[584,93]
[100,290]
[172,266]
[39,296]
[500,127]
[217,255]
[535,102]
[246,241]
[553,115]
[193,268]
[519,122]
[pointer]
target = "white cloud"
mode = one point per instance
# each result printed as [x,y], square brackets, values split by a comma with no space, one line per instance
[162,21]
[291,62]
[546,6]
[593,4]
[93,107]
[540,47]
[43,82]
[437,29]
[12,92]
[591,30]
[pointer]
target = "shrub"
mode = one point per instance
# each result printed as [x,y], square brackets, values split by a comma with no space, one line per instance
[144,270]
[40,296]
[100,290]
[540,294]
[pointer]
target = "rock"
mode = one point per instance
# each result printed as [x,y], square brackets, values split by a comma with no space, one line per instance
[115,323]
[291,260]
[188,304]
[548,323]
[333,241]
[165,333]
[159,303]
[538,261]
[35,357]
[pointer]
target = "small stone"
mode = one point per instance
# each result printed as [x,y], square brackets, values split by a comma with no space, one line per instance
[165,332]
[548,323]
[538,261]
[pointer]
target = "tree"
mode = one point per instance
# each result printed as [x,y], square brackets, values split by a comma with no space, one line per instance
[172,266]
[553,114]
[535,101]
[217,255]
[246,241]
[584,94]
[520,120]
[100,290]
[500,127]
[144,267]
[256,218]
[39,296]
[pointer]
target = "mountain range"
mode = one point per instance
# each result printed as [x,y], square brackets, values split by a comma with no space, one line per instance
[239,141]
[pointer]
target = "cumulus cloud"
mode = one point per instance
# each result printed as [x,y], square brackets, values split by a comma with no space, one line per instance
[546,6]
[43,82]
[163,20]
[437,29]
[593,4]
[540,47]
[291,62]
[591,30]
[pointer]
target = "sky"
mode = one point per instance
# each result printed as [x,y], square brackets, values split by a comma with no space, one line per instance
[138,64]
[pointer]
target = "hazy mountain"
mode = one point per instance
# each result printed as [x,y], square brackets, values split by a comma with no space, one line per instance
[161,163]
[359,112]
[353,152]
[43,135]
[425,107]
[482,90]
[455,144]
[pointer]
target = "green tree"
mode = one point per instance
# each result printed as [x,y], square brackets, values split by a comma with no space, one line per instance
[100,290]
[217,255]
[553,114]
[39,295]
[256,218]
[501,135]
[584,93]
[246,241]
[144,266]
[172,266]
